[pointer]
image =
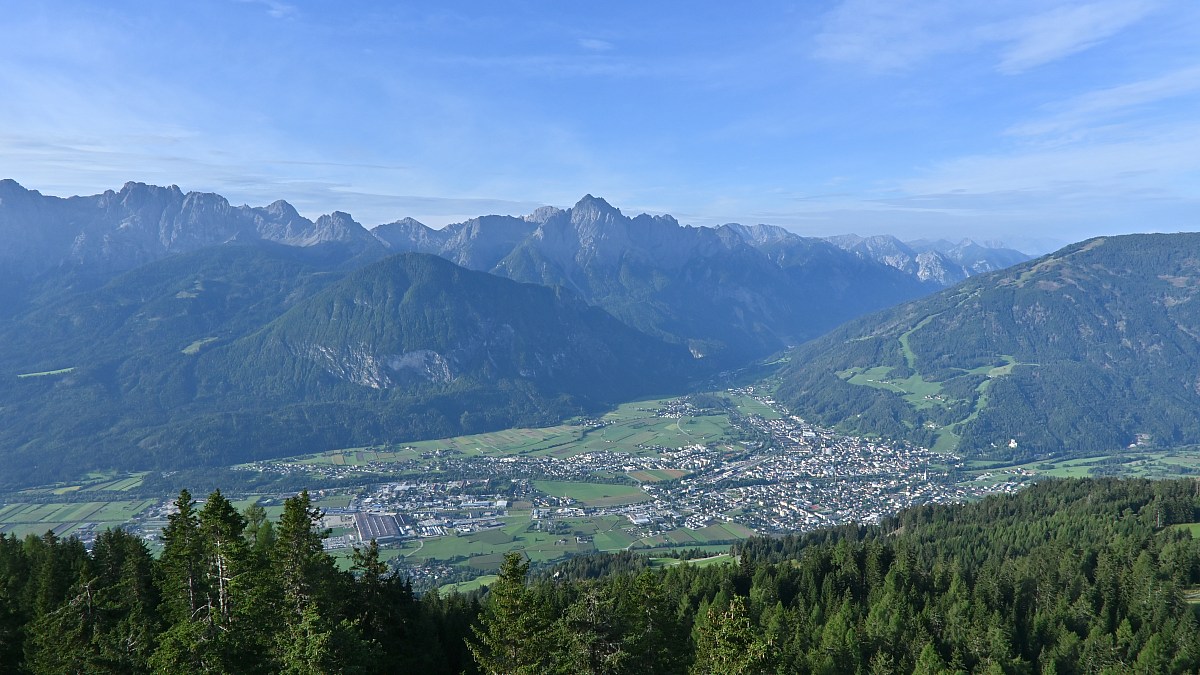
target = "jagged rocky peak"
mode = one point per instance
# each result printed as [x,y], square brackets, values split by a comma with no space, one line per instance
[410,234]
[411,223]
[936,267]
[481,243]
[758,235]
[12,193]
[280,222]
[336,226]
[282,210]
[591,210]
[133,191]
[405,225]
[198,204]
[9,186]
[492,224]
[544,214]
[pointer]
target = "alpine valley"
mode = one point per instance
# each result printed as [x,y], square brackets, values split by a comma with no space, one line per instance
[149,328]
[155,329]
[651,447]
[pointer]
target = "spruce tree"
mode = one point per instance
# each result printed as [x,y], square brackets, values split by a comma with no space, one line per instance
[182,561]
[511,637]
[730,645]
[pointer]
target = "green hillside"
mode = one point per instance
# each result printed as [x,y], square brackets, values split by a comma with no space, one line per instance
[1092,348]
[239,353]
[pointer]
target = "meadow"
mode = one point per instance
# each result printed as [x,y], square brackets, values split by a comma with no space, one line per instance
[64,519]
[631,428]
[1136,463]
[593,494]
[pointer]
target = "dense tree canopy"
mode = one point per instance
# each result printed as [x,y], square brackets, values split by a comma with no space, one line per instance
[1073,576]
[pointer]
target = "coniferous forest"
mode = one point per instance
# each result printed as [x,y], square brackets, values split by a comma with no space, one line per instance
[1074,576]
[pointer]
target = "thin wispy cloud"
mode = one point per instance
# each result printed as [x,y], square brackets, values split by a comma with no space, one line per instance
[1093,168]
[276,9]
[1062,31]
[899,34]
[889,34]
[1111,103]
[595,45]
[935,117]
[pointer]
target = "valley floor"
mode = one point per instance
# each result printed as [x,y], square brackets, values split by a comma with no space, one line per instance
[662,476]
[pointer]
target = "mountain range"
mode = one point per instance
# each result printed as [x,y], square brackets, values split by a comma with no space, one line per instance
[940,261]
[152,328]
[731,293]
[727,293]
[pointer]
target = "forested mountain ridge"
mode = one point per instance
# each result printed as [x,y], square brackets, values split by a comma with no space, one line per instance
[218,292]
[1089,349]
[1077,576]
[256,350]
[415,320]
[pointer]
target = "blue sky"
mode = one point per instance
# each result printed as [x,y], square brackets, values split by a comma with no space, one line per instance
[1035,122]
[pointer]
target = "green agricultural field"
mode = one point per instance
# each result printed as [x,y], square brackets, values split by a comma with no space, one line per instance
[119,484]
[613,540]
[593,494]
[609,533]
[720,532]
[504,443]
[631,428]
[333,502]
[95,481]
[748,406]
[718,559]
[656,475]
[63,519]
[484,550]
[918,392]
[1129,463]
[495,537]
[1193,528]
[468,586]
[272,508]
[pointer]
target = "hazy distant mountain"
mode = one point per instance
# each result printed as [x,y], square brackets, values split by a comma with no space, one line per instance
[719,291]
[760,235]
[408,234]
[1089,349]
[940,261]
[254,350]
[117,231]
